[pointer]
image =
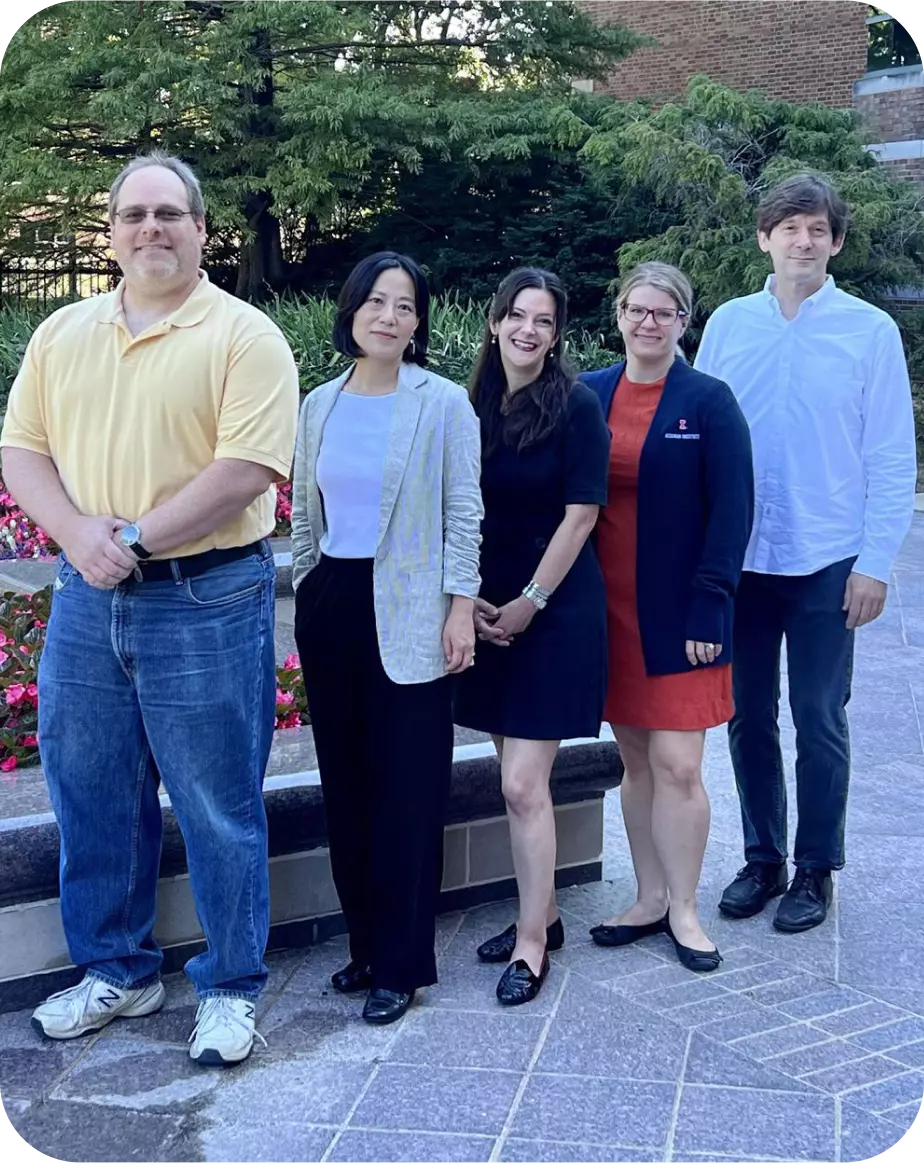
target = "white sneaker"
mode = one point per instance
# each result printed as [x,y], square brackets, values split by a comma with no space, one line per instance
[224,1031]
[93,1004]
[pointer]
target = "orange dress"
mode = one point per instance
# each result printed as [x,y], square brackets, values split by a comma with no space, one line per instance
[689,701]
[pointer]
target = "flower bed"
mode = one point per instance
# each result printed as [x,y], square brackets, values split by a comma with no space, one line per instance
[23,619]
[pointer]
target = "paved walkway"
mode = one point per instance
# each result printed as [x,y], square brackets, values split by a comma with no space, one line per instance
[803,1047]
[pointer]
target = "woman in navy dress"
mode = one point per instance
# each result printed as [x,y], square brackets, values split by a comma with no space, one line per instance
[541,676]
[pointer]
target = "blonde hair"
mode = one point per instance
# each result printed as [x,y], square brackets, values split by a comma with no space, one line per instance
[663,277]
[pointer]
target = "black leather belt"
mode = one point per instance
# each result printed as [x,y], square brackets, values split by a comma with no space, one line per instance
[193,565]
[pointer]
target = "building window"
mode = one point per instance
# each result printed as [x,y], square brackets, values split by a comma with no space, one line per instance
[889,45]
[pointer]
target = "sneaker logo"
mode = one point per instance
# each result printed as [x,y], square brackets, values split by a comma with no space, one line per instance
[251,1010]
[106,999]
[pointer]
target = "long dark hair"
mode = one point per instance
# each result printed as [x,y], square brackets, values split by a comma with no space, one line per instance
[356,290]
[536,409]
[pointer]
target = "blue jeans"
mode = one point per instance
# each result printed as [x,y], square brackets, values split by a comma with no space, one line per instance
[819,653]
[173,677]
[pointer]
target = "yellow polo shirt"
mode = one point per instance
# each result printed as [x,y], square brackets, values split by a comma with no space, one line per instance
[129,420]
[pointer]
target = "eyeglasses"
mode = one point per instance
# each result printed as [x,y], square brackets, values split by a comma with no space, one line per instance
[665,316]
[165,215]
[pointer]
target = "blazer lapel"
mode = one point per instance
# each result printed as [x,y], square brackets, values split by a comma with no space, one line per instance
[404,420]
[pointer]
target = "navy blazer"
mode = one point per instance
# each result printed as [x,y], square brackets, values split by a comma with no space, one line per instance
[695,509]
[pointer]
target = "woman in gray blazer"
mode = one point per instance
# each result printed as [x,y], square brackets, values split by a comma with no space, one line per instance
[386,513]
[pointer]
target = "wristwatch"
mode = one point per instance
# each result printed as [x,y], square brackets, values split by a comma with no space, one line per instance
[130,537]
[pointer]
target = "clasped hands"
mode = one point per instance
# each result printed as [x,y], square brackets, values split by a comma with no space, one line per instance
[501,625]
[94,550]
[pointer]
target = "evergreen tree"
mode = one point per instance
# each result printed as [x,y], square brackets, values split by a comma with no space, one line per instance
[284,108]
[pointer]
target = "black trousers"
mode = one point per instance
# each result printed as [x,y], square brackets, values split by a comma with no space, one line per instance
[806,611]
[385,757]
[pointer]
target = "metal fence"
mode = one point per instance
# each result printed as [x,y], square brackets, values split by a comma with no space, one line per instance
[40,283]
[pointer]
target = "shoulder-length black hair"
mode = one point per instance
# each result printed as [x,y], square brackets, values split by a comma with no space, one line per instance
[356,290]
[533,412]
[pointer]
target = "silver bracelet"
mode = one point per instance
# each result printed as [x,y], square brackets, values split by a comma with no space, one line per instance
[537,595]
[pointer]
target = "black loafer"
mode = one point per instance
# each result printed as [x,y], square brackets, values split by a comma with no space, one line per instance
[519,984]
[501,947]
[386,1005]
[805,904]
[755,885]
[613,935]
[353,978]
[698,960]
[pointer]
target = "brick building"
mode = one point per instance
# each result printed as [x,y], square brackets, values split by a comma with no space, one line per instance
[840,52]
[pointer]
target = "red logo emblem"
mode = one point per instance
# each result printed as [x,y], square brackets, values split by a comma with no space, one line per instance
[682,425]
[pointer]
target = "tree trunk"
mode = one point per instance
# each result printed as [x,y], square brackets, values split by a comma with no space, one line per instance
[261,269]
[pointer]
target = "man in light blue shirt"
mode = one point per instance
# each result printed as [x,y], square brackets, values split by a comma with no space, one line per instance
[822,380]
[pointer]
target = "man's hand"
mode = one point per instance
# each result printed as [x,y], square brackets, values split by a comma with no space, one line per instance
[91,550]
[864,599]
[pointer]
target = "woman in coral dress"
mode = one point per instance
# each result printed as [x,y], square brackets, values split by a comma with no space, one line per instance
[671,543]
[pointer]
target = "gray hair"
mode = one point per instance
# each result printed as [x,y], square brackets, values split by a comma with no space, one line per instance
[663,277]
[158,157]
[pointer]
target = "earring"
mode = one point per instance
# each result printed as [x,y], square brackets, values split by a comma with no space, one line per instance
[493,339]
[412,345]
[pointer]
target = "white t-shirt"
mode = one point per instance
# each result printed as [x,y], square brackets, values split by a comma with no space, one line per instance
[351,465]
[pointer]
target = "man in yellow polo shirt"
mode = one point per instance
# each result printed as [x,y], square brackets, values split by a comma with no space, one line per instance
[145,432]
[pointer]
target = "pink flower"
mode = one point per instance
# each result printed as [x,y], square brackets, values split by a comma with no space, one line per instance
[4,641]
[284,698]
[30,741]
[9,764]
[3,657]
[15,693]
[292,662]
[32,691]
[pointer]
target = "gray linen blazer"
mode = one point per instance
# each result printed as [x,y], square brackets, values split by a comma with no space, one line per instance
[430,519]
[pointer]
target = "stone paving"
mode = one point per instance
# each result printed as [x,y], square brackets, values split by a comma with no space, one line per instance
[806,1047]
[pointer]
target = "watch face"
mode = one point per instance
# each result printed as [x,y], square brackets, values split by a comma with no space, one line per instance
[130,535]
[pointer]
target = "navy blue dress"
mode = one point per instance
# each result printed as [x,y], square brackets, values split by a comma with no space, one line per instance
[550,683]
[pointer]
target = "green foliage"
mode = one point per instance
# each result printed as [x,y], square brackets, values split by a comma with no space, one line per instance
[704,163]
[284,108]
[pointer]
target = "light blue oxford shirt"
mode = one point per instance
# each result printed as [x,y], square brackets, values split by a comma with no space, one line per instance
[828,402]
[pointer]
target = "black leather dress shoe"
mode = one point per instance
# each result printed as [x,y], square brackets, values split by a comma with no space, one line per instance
[501,947]
[754,885]
[353,978]
[386,1005]
[698,960]
[519,984]
[613,935]
[805,904]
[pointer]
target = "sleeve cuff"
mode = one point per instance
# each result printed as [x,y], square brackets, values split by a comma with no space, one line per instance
[705,620]
[873,565]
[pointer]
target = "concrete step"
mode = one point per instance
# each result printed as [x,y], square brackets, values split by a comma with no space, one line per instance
[477,863]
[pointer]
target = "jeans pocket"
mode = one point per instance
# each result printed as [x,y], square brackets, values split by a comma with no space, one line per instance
[65,575]
[234,582]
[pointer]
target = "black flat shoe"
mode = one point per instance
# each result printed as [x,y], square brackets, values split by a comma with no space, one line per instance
[698,960]
[612,935]
[501,947]
[519,984]
[805,904]
[352,978]
[385,1005]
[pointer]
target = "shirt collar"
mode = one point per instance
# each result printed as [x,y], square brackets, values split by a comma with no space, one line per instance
[190,312]
[824,291]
